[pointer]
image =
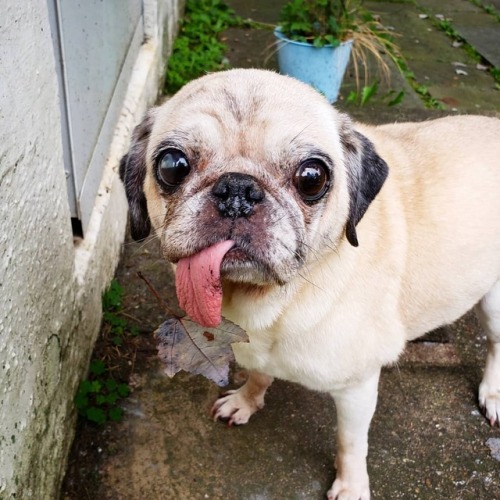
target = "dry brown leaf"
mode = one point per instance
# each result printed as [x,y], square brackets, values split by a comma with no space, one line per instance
[185,345]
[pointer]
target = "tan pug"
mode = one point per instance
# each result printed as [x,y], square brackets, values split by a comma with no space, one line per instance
[331,243]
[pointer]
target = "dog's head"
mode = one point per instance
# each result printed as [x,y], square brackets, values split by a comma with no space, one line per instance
[254,158]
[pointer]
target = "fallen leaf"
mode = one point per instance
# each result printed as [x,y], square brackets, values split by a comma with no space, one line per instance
[185,345]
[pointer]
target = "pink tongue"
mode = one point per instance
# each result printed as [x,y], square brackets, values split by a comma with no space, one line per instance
[197,281]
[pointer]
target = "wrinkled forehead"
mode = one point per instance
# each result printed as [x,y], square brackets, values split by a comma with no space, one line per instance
[247,116]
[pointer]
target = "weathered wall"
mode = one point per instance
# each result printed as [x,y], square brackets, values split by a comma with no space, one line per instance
[50,288]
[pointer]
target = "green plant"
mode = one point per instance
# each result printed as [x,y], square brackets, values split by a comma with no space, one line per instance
[198,49]
[112,297]
[113,319]
[363,97]
[318,22]
[97,396]
[330,22]
[495,73]
[368,92]
[421,90]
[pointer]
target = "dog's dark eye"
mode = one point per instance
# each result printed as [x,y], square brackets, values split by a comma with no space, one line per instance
[311,180]
[173,167]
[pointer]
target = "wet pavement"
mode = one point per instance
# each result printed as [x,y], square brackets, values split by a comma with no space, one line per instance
[428,439]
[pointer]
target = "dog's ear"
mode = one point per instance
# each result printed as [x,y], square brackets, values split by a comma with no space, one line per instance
[367,172]
[133,173]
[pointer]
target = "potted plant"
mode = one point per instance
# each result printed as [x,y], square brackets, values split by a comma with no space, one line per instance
[316,38]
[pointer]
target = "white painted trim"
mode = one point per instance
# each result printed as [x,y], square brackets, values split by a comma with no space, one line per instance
[141,93]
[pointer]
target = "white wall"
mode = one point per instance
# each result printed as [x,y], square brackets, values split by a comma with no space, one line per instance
[50,288]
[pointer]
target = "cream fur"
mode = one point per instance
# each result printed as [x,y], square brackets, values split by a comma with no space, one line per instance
[429,243]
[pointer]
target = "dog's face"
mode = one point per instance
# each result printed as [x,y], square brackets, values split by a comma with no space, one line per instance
[255,158]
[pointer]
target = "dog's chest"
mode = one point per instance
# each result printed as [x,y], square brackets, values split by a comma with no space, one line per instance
[311,357]
[320,345]
[276,355]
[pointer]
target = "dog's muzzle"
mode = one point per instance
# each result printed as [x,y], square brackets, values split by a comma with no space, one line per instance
[237,194]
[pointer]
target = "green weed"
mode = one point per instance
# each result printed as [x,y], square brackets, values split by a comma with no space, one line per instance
[198,49]
[98,395]
[495,73]
[111,304]
[368,92]
[363,97]
[421,90]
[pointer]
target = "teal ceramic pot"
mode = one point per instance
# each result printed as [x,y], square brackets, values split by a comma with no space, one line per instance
[323,68]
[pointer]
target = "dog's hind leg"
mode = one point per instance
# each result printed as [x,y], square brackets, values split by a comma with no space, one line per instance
[488,311]
[236,407]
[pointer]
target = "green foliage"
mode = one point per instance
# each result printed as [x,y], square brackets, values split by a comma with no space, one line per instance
[198,50]
[421,90]
[495,73]
[319,22]
[397,99]
[112,297]
[116,323]
[369,91]
[446,26]
[425,95]
[98,395]
[363,97]
[330,22]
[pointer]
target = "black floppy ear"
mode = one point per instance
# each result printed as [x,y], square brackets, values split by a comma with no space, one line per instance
[367,172]
[133,173]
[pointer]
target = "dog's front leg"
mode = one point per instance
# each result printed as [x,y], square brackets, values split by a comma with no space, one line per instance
[355,408]
[237,406]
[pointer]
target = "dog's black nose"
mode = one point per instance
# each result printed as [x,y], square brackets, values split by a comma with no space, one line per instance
[236,194]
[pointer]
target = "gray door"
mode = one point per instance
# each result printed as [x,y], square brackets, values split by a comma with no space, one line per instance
[96,44]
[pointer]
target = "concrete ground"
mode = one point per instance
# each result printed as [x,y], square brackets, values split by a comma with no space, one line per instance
[428,439]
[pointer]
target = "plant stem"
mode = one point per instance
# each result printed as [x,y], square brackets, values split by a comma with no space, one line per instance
[157,295]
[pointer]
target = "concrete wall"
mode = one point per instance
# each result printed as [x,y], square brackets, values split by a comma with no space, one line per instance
[50,286]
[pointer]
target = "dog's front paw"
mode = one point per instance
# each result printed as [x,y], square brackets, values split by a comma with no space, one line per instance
[236,407]
[345,490]
[489,401]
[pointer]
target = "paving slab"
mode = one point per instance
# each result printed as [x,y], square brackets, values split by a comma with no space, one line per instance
[432,58]
[450,8]
[480,29]
[485,39]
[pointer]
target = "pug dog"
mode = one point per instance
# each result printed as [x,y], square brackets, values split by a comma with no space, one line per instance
[331,243]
